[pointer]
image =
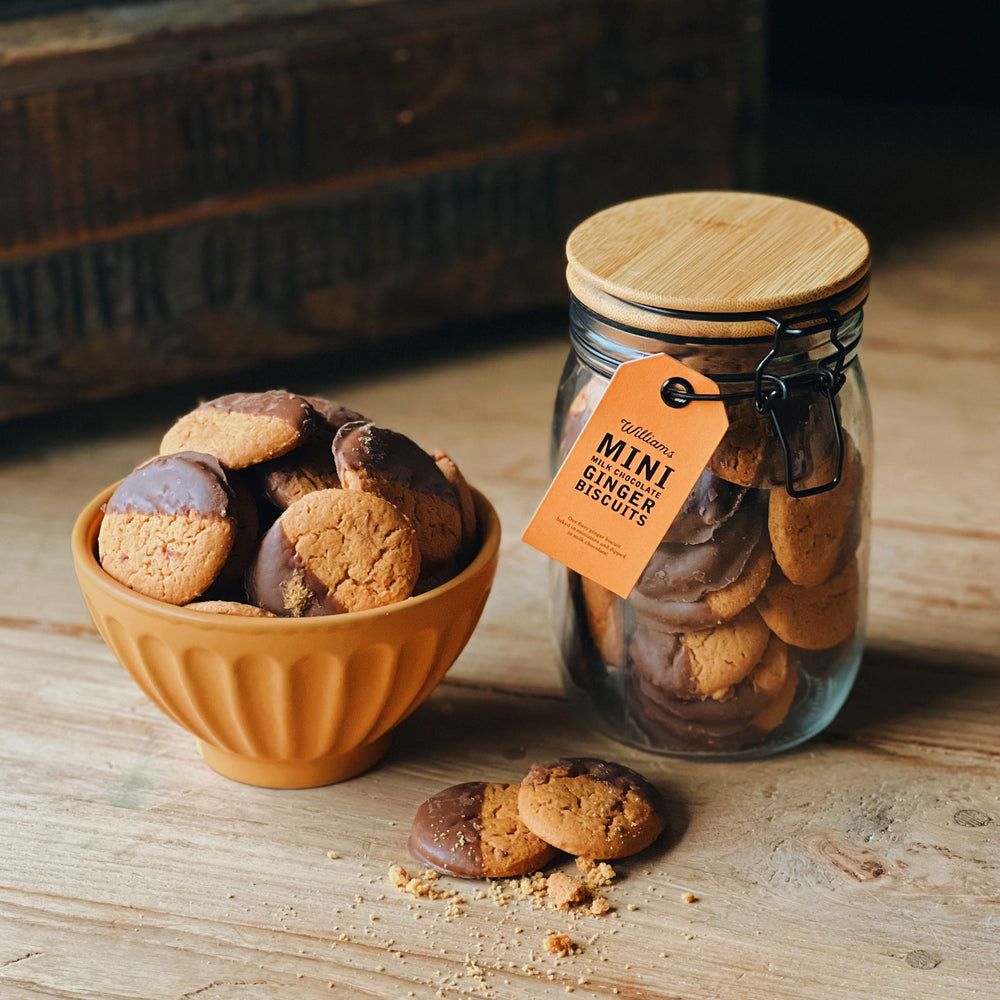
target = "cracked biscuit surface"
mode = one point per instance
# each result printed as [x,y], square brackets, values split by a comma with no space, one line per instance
[813,537]
[243,428]
[813,617]
[388,464]
[589,807]
[474,830]
[334,551]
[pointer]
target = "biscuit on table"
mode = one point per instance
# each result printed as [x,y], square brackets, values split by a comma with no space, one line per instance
[168,528]
[474,830]
[243,428]
[335,551]
[388,464]
[589,807]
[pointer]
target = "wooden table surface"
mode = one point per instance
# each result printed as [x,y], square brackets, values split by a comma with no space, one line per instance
[864,864]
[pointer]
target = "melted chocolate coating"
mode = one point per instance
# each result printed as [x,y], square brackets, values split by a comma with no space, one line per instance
[447,831]
[363,446]
[279,566]
[181,483]
[685,573]
[710,504]
[331,415]
[292,409]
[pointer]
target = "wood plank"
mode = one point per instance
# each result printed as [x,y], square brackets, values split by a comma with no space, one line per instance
[191,189]
[238,890]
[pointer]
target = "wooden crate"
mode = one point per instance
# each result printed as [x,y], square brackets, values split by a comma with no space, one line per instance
[190,188]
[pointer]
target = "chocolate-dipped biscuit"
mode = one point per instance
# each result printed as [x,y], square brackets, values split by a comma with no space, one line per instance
[288,478]
[386,463]
[331,415]
[310,466]
[691,587]
[711,502]
[466,505]
[169,527]
[243,428]
[703,664]
[335,551]
[593,808]
[666,709]
[474,830]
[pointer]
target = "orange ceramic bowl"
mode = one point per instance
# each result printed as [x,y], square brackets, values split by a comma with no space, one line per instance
[287,702]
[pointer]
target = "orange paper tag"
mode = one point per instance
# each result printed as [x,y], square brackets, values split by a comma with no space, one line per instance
[628,474]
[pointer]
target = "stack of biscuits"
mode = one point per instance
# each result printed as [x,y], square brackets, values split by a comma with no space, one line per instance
[585,806]
[750,590]
[278,504]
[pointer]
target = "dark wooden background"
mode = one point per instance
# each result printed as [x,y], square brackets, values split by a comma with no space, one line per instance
[196,193]
[199,188]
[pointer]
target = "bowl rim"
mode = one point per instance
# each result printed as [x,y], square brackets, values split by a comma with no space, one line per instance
[90,574]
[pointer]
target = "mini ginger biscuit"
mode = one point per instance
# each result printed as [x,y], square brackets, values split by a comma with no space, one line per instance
[243,428]
[168,529]
[665,707]
[237,608]
[334,551]
[809,535]
[474,830]
[812,617]
[388,464]
[589,807]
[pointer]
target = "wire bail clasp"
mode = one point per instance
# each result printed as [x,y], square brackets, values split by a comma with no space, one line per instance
[828,378]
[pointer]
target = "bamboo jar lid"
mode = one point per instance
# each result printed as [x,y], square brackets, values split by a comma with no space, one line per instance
[731,254]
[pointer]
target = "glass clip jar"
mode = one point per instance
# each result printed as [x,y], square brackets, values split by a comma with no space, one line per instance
[744,633]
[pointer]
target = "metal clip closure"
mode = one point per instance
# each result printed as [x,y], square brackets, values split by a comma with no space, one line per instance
[828,379]
[770,390]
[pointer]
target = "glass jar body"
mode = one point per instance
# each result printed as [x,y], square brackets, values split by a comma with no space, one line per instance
[744,634]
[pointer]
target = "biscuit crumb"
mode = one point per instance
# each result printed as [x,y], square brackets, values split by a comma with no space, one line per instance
[559,944]
[596,873]
[332,855]
[689,897]
[419,886]
[599,906]
[563,892]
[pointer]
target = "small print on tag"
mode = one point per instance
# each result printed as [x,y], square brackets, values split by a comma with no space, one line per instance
[628,473]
